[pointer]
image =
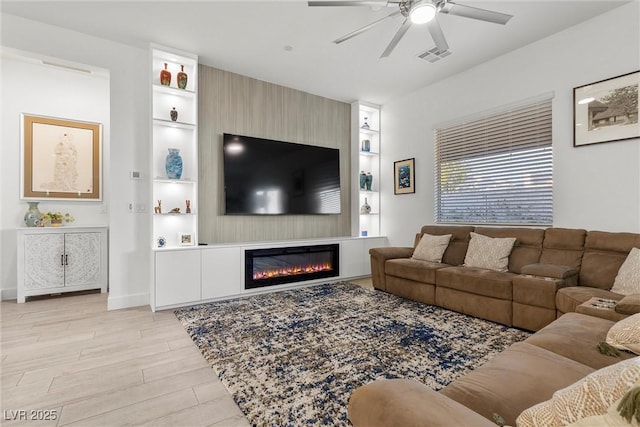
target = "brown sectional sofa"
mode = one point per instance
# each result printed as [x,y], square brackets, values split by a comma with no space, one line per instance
[523,375]
[551,274]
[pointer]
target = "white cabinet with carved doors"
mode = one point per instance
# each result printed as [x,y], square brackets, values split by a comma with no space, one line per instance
[66,259]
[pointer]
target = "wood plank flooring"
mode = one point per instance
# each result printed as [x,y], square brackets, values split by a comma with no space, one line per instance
[70,360]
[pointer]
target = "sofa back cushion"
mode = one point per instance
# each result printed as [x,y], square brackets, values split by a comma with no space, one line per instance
[563,246]
[526,249]
[460,236]
[604,254]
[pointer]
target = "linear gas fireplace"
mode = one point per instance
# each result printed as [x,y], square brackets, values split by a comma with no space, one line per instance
[276,266]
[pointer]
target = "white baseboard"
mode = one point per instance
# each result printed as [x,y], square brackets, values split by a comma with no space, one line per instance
[8,294]
[127,301]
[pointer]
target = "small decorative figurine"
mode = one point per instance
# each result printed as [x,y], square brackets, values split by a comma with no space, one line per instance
[365,125]
[158,209]
[188,203]
[161,242]
[174,114]
[175,210]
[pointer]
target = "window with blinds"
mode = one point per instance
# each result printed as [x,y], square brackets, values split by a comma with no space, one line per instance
[496,168]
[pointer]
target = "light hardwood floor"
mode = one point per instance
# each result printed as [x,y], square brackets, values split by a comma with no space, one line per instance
[91,367]
[70,358]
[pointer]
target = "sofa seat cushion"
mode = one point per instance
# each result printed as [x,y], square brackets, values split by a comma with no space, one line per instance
[514,380]
[479,281]
[413,269]
[535,291]
[569,298]
[576,337]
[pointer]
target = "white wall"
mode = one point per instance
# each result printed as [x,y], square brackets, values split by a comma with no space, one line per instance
[30,87]
[595,187]
[128,146]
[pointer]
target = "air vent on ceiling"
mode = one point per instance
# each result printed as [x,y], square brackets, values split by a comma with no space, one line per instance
[434,55]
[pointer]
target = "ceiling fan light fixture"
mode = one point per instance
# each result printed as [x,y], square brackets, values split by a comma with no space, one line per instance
[422,11]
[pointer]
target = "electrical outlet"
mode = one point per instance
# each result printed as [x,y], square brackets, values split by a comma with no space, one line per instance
[140,207]
[130,207]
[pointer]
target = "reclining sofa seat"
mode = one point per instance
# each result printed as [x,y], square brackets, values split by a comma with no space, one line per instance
[396,272]
[484,293]
[604,253]
[534,292]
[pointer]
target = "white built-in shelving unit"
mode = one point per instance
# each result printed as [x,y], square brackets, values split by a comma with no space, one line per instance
[171,230]
[365,135]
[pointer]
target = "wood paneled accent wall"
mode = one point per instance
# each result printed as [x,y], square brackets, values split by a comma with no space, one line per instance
[231,103]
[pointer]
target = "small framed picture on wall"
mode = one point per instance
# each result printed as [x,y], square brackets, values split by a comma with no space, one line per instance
[606,111]
[404,176]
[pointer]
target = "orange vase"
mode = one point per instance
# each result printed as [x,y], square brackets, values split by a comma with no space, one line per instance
[165,76]
[182,78]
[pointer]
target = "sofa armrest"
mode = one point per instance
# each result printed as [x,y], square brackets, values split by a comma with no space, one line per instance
[630,304]
[400,402]
[390,252]
[378,258]
[552,271]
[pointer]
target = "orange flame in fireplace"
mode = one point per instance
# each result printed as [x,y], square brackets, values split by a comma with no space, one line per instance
[291,271]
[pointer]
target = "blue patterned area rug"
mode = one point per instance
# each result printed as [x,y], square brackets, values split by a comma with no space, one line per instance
[294,357]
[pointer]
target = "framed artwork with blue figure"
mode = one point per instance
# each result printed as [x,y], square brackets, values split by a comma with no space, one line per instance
[404,176]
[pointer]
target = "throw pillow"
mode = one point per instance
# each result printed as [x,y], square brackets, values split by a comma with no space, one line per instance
[489,252]
[628,279]
[592,395]
[611,418]
[625,334]
[431,248]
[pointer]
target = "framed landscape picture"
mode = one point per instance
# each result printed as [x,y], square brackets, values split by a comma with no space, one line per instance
[61,158]
[606,111]
[185,239]
[404,176]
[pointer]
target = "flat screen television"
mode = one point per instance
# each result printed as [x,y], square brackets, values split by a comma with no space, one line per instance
[267,177]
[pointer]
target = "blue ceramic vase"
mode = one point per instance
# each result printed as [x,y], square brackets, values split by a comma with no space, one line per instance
[173,164]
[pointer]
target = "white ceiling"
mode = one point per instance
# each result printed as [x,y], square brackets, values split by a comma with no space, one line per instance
[249,38]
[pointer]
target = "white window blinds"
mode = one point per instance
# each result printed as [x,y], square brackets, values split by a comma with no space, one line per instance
[496,168]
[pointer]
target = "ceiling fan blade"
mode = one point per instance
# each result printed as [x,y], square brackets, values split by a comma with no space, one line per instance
[475,13]
[348,3]
[394,41]
[365,28]
[437,35]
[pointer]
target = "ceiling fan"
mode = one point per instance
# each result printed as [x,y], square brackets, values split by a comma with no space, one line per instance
[417,12]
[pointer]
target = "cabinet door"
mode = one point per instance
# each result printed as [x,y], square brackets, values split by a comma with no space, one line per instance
[82,258]
[352,259]
[177,277]
[43,261]
[221,272]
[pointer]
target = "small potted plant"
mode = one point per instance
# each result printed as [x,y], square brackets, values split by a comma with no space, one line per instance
[56,219]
